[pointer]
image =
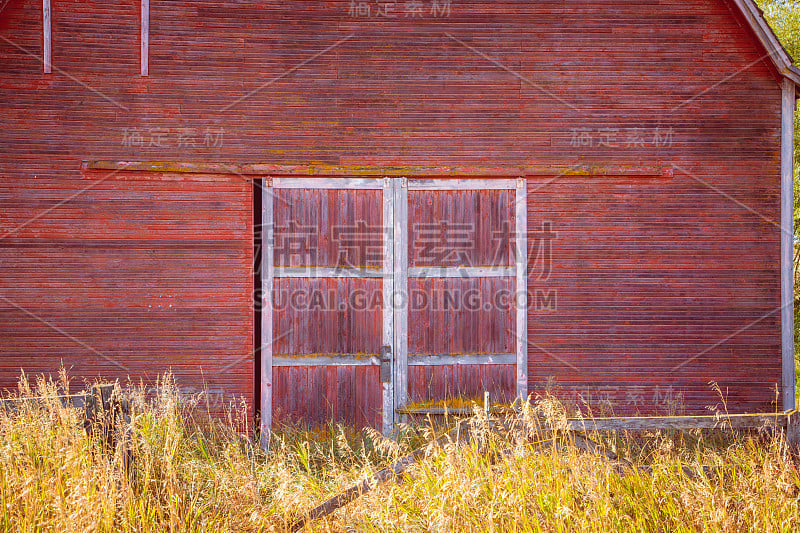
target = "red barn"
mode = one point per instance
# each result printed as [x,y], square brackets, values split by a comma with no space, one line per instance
[427,199]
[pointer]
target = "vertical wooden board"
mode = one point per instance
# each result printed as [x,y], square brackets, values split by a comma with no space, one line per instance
[266,346]
[327,315]
[328,227]
[144,67]
[314,396]
[788,107]
[444,383]
[400,296]
[460,228]
[313,410]
[331,387]
[46,37]
[345,400]
[387,284]
[521,302]
[461,315]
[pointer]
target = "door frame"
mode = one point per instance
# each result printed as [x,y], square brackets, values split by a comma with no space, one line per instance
[394,274]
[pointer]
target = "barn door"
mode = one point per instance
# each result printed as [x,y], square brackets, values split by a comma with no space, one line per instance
[380,292]
[465,325]
[326,328]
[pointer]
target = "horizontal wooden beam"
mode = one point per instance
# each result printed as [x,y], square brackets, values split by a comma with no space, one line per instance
[78,400]
[457,184]
[349,359]
[66,400]
[463,359]
[739,421]
[455,411]
[730,421]
[328,272]
[328,183]
[338,359]
[462,272]
[260,170]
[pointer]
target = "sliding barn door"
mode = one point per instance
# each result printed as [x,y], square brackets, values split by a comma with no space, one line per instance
[463,267]
[380,293]
[327,339]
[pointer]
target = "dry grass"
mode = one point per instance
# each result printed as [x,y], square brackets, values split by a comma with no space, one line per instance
[193,474]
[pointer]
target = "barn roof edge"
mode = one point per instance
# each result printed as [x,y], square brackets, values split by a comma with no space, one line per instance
[775,51]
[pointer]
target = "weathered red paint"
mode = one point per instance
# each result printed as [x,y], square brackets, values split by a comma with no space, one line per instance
[129,279]
[316,395]
[649,273]
[327,316]
[479,226]
[433,384]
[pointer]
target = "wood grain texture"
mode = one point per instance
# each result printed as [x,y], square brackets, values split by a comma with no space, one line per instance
[450,316]
[315,395]
[328,227]
[318,319]
[460,228]
[650,306]
[461,315]
[446,382]
[648,274]
[130,279]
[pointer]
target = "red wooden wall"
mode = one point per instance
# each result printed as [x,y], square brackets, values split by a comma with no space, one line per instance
[139,274]
[647,272]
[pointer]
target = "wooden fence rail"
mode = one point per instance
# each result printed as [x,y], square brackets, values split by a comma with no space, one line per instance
[788,421]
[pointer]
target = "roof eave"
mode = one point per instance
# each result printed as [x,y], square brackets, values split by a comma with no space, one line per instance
[775,50]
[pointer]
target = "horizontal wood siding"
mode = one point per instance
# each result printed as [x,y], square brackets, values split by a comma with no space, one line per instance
[651,306]
[647,272]
[129,279]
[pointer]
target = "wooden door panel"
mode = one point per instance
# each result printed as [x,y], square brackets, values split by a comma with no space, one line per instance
[460,228]
[445,383]
[327,323]
[328,227]
[327,316]
[461,329]
[314,396]
[461,316]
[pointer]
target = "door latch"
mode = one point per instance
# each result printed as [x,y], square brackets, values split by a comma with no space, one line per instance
[386,364]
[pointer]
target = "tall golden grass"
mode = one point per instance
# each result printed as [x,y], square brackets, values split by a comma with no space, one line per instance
[191,472]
